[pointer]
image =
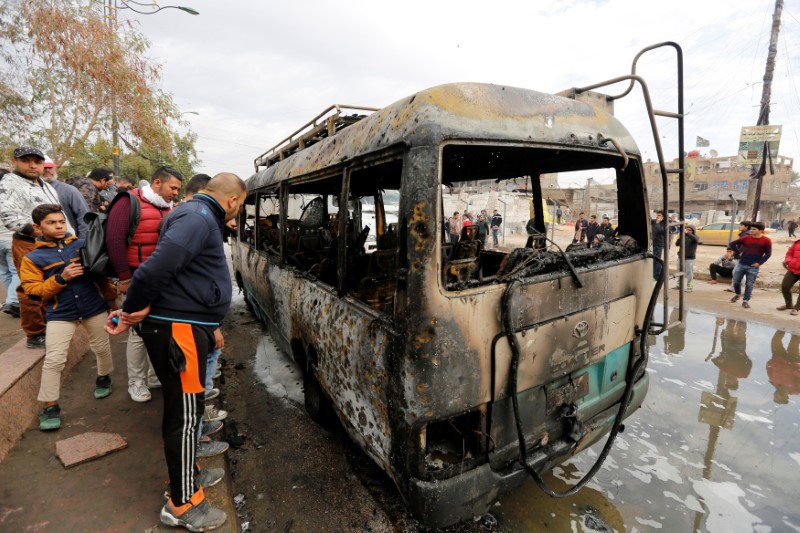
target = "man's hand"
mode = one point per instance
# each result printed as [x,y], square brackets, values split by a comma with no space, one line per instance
[219,339]
[231,224]
[134,318]
[72,271]
[755,265]
[112,327]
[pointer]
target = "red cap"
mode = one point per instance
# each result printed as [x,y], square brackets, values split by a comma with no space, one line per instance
[49,164]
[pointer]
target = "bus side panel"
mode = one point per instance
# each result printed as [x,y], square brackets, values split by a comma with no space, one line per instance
[346,345]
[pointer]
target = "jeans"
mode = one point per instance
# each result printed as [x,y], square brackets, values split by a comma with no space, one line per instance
[658,251]
[750,273]
[494,236]
[8,273]
[689,270]
[211,369]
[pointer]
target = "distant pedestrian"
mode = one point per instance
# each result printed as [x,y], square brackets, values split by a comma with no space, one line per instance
[756,249]
[483,230]
[580,229]
[52,273]
[723,266]
[169,306]
[658,229]
[792,264]
[559,214]
[606,229]
[791,226]
[689,242]
[497,221]
[592,228]
[567,214]
[454,227]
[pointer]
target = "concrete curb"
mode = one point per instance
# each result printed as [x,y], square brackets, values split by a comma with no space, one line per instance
[20,376]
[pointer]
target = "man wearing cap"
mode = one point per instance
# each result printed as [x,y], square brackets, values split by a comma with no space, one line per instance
[90,187]
[69,197]
[20,192]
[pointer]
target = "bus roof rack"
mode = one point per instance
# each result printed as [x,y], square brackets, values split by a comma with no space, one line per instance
[327,124]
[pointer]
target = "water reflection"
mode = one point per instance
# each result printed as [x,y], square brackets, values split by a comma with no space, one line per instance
[731,467]
[784,367]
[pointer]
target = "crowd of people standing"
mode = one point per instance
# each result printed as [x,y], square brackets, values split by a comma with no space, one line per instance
[163,262]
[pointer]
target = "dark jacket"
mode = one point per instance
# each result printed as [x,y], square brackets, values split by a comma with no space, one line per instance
[592,229]
[76,299]
[691,241]
[659,232]
[186,279]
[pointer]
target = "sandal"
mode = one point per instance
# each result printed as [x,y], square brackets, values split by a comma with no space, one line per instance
[783,307]
[795,312]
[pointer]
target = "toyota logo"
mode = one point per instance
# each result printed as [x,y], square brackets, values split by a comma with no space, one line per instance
[581,329]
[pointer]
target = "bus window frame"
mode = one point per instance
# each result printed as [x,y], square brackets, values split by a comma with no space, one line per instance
[268,192]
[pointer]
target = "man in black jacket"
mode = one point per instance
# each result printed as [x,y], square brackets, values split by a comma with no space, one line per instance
[658,228]
[176,300]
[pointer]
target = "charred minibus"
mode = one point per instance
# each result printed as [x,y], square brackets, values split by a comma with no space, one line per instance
[451,365]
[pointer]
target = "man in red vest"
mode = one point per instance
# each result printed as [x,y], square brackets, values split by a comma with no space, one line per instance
[127,254]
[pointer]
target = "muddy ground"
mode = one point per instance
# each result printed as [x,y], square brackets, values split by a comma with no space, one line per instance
[294,475]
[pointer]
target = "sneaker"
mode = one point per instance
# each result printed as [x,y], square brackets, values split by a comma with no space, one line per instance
[211,448]
[36,342]
[213,414]
[209,477]
[217,374]
[213,393]
[193,516]
[153,383]
[784,307]
[209,428]
[102,387]
[746,304]
[688,289]
[735,298]
[139,392]
[50,418]
[11,309]
[728,289]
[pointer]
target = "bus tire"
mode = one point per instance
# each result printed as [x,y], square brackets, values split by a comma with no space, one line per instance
[317,404]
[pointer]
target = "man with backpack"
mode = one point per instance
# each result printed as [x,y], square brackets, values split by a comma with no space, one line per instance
[131,235]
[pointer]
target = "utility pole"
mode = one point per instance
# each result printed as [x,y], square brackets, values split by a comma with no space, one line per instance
[754,193]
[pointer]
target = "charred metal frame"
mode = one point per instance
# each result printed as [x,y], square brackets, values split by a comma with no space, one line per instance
[659,328]
[394,375]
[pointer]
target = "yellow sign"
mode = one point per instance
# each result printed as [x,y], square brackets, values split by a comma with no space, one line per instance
[751,143]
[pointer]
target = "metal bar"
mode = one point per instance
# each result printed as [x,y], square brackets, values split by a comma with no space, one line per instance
[667,114]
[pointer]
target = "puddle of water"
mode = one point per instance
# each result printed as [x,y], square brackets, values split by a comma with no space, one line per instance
[279,374]
[714,447]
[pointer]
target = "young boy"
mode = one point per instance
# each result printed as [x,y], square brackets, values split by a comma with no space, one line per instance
[756,249]
[52,272]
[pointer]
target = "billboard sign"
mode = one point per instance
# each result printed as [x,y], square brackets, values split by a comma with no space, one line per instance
[751,143]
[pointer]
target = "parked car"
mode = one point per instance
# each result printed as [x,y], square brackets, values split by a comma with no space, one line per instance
[719,233]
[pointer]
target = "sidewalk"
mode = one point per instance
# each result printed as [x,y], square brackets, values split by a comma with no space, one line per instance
[122,491]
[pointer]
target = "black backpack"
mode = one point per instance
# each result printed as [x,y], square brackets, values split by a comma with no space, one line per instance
[94,254]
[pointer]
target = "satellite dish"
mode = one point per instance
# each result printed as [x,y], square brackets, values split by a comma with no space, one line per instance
[713,153]
[509,187]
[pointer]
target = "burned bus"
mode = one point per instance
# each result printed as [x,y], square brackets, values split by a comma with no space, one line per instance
[458,369]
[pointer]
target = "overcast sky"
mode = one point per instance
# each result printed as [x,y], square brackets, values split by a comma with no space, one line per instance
[255,71]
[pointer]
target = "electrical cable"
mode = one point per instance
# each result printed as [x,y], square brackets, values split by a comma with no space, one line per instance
[632,371]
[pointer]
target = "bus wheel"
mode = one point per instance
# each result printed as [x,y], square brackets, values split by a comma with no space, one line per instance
[317,404]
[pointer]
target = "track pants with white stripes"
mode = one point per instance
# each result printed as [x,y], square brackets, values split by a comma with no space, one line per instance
[178,353]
